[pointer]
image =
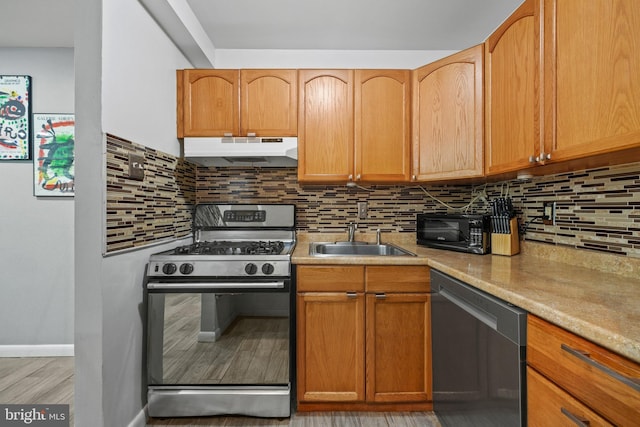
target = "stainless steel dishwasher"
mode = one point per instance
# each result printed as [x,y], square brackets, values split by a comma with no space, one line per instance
[479,363]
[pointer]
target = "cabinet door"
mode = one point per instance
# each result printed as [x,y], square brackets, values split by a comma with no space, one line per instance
[330,347]
[325,125]
[592,65]
[398,348]
[512,133]
[382,125]
[448,117]
[269,102]
[548,405]
[208,102]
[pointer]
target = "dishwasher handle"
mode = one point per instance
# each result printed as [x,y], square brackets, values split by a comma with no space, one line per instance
[479,314]
[506,319]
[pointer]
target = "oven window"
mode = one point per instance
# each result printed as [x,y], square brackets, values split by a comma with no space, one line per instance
[224,339]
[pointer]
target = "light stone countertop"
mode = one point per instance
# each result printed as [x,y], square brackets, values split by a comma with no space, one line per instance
[594,296]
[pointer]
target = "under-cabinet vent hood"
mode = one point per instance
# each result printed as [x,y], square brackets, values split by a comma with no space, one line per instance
[242,151]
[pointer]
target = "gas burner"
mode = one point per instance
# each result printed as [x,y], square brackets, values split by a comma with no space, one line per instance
[232,248]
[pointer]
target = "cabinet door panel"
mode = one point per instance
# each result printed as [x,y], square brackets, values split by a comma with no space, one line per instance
[398,321]
[325,122]
[269,100]
[448,117]
[511,74]
[592,74]
[330,347]
[210,102]
[382,125]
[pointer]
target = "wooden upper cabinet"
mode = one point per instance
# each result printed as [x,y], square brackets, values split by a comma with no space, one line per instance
[325,125]
[512,135]
[448,117]
[382,125]
[592,72]
[269,102]
[237,102]
[208,102]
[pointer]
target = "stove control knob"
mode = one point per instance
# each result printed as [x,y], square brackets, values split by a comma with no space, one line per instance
[251,269]
[267,268]
[186,268]
[169,268]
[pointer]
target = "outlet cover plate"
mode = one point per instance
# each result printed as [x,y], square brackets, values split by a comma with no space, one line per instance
[136,167]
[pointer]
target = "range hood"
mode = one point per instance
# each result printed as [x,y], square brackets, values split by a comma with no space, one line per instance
[242,151]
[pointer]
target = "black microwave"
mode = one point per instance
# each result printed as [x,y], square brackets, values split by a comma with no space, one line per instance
[456,232]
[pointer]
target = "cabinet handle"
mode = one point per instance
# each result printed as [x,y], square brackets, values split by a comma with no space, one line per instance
[413,177]
[350,178]
[352,294]
[634,383]
[381,296]
[579,421]
[532,159]
[358,177]
[548,156]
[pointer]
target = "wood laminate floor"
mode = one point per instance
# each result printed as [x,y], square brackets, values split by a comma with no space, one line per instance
[37,380]
[313,419]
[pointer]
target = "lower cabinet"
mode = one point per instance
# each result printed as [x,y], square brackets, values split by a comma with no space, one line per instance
[363,337]
[572,381]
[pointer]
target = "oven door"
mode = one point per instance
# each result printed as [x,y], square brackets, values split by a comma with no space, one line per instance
[219,348]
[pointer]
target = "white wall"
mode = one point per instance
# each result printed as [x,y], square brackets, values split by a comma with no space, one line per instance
[36,234]
[125,84]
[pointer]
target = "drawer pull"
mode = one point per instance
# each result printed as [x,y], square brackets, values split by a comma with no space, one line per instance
[381,296]
[352,294]
[579,421]
[584,356]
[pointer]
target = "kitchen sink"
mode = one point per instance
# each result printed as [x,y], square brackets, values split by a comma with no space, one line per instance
[327,249]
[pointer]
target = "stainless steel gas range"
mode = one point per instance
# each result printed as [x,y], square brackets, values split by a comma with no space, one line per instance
[219,315]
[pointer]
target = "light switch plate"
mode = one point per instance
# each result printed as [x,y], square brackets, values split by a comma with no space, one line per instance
[362,210]
[136,167]
[549,213]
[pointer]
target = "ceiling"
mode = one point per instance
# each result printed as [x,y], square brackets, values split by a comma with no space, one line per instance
[350,24]
[286,24]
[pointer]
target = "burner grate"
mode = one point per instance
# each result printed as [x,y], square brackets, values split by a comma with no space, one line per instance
[232,248]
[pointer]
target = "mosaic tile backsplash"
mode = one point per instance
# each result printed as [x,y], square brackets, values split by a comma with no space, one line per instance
[597,209]
[155,209]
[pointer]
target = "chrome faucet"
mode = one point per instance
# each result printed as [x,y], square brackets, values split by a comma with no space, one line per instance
[378,237]
[351,230]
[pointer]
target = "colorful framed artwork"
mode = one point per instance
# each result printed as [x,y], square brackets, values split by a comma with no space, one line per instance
[15,117]
[53,154]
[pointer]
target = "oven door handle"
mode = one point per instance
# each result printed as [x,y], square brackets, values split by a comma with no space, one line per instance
[214,285]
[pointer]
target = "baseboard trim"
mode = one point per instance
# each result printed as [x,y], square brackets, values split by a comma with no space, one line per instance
[39,350]
[141,419]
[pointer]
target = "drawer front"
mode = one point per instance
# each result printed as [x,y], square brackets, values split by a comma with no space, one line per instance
[549,405]
[330,278]
[602,380]
[402,278]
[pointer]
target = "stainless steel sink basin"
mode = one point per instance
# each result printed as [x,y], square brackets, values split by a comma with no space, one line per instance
[328,249]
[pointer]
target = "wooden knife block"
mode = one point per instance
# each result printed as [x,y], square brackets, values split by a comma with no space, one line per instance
[506,244]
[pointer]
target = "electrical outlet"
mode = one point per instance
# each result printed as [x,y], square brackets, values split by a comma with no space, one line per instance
[549,213]
[362,210]
[136,167]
